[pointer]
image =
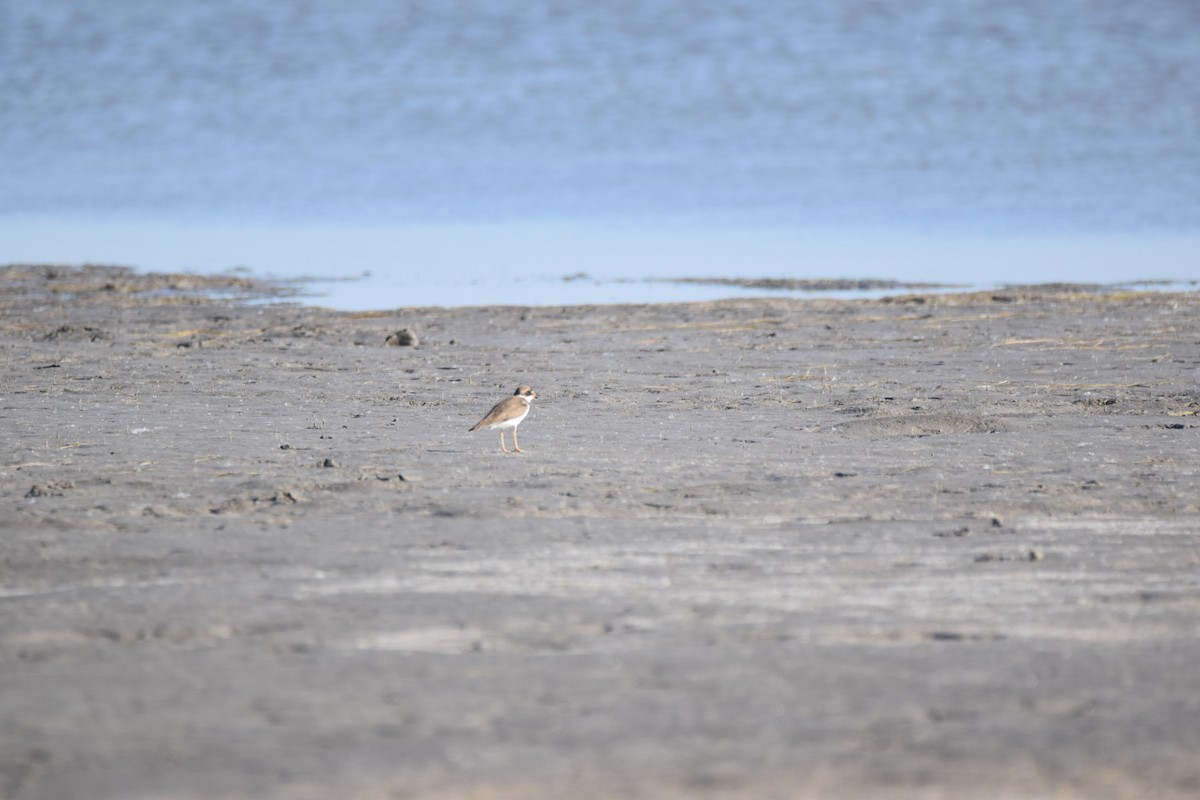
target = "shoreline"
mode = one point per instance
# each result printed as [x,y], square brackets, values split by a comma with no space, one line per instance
[515,264]
[925,546]
[63,281]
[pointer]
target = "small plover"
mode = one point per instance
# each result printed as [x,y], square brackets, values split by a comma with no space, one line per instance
[507,415]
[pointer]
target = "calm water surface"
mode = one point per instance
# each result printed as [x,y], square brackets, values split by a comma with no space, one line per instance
[480,151]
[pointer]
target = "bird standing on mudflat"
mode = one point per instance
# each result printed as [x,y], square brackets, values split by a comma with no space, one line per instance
[507,415]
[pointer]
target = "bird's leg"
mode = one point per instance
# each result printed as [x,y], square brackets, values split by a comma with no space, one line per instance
[503,449]
[515,445]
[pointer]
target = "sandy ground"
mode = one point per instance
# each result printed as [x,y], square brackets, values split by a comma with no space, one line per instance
[941,547]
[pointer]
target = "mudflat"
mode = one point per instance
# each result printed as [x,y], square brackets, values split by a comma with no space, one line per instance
[941,546]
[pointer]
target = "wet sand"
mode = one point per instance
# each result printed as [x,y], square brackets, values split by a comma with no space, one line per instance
[921,547]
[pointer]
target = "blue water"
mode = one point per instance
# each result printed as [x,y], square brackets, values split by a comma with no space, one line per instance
[479,151]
